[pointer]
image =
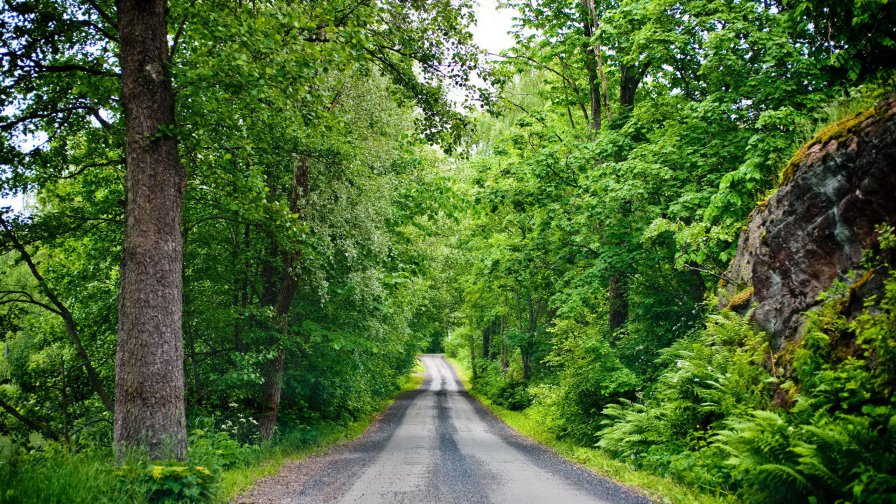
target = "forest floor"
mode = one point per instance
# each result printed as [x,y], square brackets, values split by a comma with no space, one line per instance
[438,444]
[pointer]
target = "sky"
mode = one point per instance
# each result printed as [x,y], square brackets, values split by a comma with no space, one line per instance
[492,25]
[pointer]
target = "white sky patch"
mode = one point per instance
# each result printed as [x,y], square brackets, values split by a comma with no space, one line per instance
[492,25]
[17,203]
[490,33]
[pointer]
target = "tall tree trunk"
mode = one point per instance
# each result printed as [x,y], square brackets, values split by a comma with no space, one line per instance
[618,302]
[487,339]
[273,369]
[591,67]
[505,363]
[149,372]
[531,329]
[598,54]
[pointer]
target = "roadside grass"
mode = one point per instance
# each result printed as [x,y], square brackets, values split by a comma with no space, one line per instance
[600,462]
[300,445]
[418,367]
[62,476]
[51,473]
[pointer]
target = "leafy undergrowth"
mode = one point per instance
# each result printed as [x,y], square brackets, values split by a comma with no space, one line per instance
[597,460]
[219,467]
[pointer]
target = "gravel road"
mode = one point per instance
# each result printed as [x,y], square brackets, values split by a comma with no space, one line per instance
[438,445]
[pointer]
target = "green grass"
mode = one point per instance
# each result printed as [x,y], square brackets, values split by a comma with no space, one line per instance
[60,475]
[63,476]
[270,461]
[598,461]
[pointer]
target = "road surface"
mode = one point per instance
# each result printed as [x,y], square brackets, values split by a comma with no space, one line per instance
[438,445]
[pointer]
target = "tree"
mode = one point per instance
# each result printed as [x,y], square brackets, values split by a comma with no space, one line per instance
[149,376]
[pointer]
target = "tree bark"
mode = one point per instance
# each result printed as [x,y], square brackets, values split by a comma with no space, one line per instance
[149,372]
[630,78]
[273,369]
[599,57]
[505,363]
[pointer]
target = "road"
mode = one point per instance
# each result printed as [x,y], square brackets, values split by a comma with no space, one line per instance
[438,445]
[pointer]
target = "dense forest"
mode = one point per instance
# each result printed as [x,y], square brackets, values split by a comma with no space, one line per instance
[235,225]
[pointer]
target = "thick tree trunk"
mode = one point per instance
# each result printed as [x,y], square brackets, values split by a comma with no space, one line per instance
[273,369]
[629,79]
[149,371]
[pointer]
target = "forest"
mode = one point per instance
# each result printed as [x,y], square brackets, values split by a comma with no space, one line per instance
[228,228]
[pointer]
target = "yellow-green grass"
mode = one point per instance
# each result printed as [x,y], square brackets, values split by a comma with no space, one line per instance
[598,461]
[418,367]
[235,481]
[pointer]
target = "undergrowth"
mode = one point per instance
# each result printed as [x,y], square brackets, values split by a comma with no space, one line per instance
[814,421]
[219,466]
[531,423]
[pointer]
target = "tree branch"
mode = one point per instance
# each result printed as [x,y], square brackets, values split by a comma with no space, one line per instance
[533,116]
[102,13]
[31,424]
[63,312]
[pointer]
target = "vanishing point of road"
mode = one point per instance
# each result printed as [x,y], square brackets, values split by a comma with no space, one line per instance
[438,445]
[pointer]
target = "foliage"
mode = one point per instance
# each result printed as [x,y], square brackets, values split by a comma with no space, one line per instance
[567,251]
[835,444]
[178,483]
[48,472]
[627,145]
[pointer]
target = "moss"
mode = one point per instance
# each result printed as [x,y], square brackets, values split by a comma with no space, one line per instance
[740,299]
[839,130]
[845,301]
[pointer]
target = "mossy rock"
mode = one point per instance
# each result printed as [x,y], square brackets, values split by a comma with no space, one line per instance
[839,131]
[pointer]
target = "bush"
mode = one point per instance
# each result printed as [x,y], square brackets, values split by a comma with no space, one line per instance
[501,388]
[171,483]
[838,442]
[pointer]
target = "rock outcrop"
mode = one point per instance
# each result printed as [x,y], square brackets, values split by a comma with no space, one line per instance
[814,229]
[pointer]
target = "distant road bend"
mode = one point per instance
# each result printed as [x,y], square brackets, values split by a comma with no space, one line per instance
[438,445]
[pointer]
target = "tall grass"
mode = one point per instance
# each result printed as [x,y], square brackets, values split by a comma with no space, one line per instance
[65,476]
